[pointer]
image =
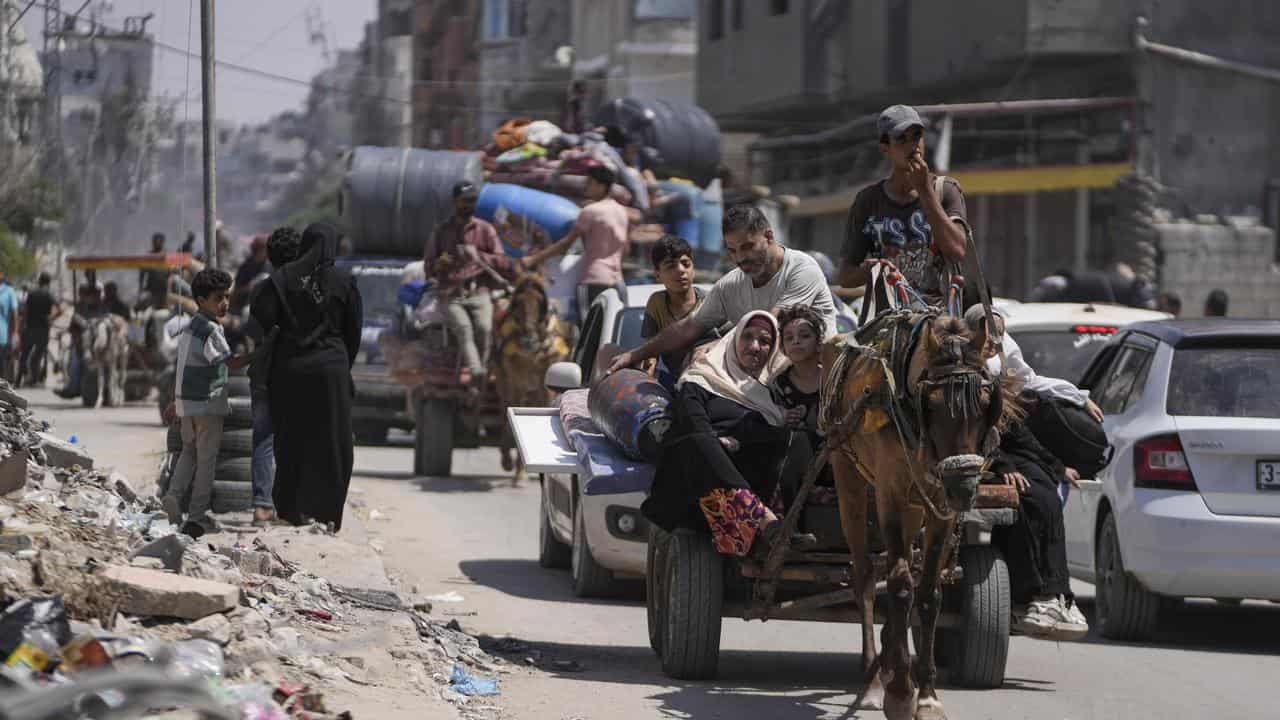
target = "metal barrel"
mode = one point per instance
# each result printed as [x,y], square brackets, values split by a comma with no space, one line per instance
[685,136]
[393,197]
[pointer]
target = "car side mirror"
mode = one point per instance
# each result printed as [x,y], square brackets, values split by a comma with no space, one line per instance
[563,376]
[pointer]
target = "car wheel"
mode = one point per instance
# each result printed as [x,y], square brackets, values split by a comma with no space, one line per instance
[589,578]
[551,552]
[1125,609]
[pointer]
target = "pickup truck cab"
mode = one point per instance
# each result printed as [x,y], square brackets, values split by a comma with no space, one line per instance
[380,402]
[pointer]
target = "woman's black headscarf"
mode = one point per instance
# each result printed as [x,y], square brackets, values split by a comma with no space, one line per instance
[318,249]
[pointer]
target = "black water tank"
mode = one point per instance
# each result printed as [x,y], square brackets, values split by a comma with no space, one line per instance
[685,137]
[393,197]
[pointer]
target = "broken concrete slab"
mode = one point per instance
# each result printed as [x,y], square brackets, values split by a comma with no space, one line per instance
[13,472]
[122,487]
[168,550]
[215,628]
[148,562]
[60,454]
[151,592]
[7,395]
[14,543]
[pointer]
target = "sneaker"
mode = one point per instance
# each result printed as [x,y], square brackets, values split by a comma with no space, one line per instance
[172,509]
[1052,619]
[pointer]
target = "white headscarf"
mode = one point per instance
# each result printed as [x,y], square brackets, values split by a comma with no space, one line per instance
[719,371]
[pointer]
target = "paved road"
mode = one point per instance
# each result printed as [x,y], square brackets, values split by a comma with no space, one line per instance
[475,534]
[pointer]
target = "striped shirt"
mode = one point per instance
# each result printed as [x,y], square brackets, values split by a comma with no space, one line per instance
[201,382]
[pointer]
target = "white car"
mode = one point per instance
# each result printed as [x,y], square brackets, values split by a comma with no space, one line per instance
[594,529]
[1058,340]
[1189,505]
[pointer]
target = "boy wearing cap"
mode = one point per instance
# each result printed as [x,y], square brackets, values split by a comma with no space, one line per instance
[908,218]
[456,256]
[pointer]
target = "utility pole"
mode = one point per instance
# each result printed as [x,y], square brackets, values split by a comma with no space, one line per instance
[207,107]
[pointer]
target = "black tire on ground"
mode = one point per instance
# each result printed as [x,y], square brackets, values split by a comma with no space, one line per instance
[231,496]
[370,434]
[590,579]
[89,388]
[551,552]
[1125,609]
[694,586]
[239,470]
[654,589]
[137,385]
[173,438]
[980,645]
[433,438]
[236,444]
[237,386]
[241,416]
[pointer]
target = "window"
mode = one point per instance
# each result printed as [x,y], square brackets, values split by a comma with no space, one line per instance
[779,7]
[665,9]
[1225,382]
[1059,354]
[505,19]
[736,20]
[1123,384]
[589,342]
[626,330]
[715,20]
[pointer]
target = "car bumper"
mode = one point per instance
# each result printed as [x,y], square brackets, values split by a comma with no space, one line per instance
[1176,546]
[620,551]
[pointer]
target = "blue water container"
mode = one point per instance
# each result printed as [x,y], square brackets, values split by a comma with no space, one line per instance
[552,213]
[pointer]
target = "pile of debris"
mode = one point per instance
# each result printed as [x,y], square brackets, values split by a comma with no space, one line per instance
[95,584]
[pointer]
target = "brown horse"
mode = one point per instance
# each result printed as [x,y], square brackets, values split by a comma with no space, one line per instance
[909,410]
[529,338]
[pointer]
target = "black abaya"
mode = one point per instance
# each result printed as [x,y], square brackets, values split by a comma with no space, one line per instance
[310,380]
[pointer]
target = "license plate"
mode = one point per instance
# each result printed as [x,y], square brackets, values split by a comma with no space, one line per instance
[1269,474]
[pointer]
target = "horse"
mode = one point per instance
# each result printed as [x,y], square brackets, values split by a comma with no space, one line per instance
[911,410]
[529,338]
[107,354]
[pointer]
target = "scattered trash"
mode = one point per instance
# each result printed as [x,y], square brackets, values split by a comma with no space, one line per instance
[32,631]
[375,515]
[449,597]
[465,683]
[374,599]
[317,614]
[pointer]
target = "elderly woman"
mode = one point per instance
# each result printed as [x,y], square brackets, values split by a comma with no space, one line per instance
[722,454]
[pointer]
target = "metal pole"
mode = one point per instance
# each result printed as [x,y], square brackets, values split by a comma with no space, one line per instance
[207,107]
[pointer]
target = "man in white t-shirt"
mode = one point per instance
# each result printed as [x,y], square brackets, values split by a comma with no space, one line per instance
[768,277]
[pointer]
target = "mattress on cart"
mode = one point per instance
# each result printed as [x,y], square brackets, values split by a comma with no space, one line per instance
[608,471]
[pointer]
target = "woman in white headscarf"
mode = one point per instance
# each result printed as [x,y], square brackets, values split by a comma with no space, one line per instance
[721,456]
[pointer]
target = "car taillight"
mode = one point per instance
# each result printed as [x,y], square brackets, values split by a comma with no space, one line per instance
[1094,330]
[1160,464]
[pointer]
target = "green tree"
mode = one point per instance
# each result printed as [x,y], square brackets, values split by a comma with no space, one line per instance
[15,260]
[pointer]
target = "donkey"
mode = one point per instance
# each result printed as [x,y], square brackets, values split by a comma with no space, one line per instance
[911,411]
[529,338]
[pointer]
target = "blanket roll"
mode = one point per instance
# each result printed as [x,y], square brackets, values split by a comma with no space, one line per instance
[632,410]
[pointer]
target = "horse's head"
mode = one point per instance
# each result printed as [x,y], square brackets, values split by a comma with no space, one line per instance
[957,405]
[529,304]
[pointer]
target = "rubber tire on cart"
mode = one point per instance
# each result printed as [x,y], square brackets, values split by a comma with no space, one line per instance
[241,416]
[433,437]
[236,444]
[1125,610]
[89,387]
[370,434]
[239,470]
[654,588]
[231,496]
[552,553]
[694,598]
[590,579]
[980,645]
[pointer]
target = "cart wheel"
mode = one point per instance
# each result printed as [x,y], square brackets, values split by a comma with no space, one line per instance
[551,552]
[654,589]
[979,647]
[433,438]
[89,387]
[694,597]
[590,579]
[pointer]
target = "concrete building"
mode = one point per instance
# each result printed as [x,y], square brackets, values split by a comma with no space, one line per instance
[446,74]
[1040,178]
[523,67]
[384,105]
[21,81]
[635,48]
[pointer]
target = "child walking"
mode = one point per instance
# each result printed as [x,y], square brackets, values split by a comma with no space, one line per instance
[201,403]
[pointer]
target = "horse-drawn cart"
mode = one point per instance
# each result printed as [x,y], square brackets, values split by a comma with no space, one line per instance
[690,588]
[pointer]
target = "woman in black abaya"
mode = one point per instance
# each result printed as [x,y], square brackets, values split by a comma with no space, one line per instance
[318,310]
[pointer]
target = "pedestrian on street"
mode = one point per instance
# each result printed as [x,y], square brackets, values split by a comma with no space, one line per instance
[575,110]
[602,227]
[37,317]
[452,257]
[1216,304]
[8,325]
[155,281]
[201,389]
[769,277]
[256,264]
[912,219]
[1169,302]
[282,248]
[318,311]
[112,303]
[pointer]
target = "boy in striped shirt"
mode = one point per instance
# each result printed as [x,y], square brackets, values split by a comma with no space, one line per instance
[200,387]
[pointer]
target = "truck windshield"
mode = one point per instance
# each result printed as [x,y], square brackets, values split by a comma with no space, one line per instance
[378,289]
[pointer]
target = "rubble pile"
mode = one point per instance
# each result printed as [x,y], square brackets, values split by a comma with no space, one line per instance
[93,578]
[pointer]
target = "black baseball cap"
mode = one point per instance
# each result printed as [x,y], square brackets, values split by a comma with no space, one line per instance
[465,187]
[897,119]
